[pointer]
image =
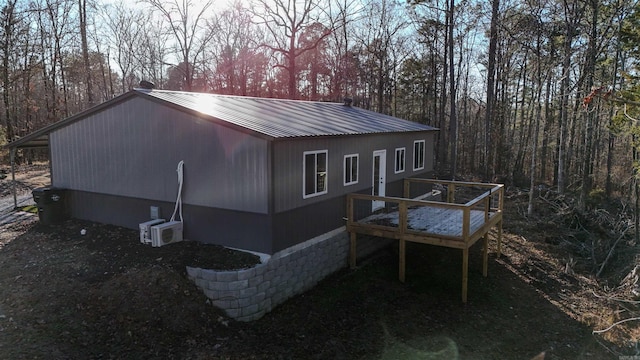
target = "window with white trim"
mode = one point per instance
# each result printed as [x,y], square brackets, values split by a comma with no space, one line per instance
[314,173]
[350,169]
[400,157]
[418,155]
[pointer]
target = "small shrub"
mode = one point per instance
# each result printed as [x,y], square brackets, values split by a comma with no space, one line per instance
[596,198]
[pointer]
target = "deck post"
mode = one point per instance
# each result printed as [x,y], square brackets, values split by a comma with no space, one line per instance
[402,217]
[402,246]
[487,207]
[402,263]
[466,220]
[485,255]
[352,249]
[451,192]
[465,273]
[406,189]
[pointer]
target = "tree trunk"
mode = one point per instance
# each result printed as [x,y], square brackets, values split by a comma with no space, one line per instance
[493,42]
[548,123]
[292,88]
[82,4]
[7,50]
[612,138]
[534,147]
[587,174]
[564,103]
[636,189]
[453,120]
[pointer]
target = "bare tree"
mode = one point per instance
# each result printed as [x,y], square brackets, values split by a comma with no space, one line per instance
[82,12]
[315,64]
[491,78]
[8,20]
[124,27]
[573,12]
[453,119]
[235,52]
[286,21]
[191,32]
[343,15]
[380,36]
[151,56]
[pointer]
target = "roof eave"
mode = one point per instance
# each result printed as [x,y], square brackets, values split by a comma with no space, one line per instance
[285,138]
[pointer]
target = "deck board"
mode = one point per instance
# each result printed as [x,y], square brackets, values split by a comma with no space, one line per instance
[431,220]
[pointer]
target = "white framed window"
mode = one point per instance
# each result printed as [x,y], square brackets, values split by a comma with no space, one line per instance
[314,173]
[418,155]
[350,169]
[400,159]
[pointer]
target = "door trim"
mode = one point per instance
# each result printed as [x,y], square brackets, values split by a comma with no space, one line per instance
[380,180]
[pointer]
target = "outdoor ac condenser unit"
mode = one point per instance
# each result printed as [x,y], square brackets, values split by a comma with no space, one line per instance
[145,230]
[166,233]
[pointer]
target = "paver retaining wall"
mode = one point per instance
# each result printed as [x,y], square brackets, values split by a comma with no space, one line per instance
[248,294]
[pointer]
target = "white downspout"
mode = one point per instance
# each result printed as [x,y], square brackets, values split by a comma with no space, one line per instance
[180,172]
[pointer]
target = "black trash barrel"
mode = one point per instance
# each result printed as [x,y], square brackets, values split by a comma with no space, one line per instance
[52,205]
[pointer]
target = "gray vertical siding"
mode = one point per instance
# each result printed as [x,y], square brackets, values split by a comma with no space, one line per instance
[237,229]
[132,149]
[288,155]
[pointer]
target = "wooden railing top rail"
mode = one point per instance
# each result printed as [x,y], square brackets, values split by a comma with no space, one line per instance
[409,202]
[482,196]
[453,182]
[493,189]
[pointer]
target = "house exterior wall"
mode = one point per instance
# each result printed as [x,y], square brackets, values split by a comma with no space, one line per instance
[296,219]
[236,229]
[288,168]
[132,150]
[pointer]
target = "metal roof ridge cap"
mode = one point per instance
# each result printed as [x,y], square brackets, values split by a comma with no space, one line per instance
[147,91]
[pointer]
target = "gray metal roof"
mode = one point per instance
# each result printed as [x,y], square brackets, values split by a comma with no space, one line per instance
[278,118]
[273,118]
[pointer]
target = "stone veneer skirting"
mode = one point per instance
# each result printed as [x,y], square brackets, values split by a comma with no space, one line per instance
[248,294]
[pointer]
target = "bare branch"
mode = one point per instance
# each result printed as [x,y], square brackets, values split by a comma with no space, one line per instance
[616,324]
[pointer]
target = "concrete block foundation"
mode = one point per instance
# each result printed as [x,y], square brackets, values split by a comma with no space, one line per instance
[248,294]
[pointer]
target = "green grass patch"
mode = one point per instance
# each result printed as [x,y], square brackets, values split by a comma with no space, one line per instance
[30,208]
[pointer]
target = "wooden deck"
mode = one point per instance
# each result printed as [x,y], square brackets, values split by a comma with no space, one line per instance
[442,223]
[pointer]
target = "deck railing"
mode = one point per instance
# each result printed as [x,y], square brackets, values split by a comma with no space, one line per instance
[460,222]
[452,186]
[456,223]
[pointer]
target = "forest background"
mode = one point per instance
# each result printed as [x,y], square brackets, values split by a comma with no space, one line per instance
[531,93]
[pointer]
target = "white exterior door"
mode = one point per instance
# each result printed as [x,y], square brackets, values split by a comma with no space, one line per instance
[379,171]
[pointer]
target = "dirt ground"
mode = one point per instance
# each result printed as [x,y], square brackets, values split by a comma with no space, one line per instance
[104,295]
